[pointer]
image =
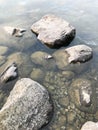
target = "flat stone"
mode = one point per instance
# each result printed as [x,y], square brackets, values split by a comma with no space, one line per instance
[89,125]
[54,31]
[79,53]
[28,107]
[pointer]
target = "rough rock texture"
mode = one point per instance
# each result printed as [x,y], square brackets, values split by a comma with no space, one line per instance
[83,95]
[79,53]
[89,125]
[54,31]
[27,107]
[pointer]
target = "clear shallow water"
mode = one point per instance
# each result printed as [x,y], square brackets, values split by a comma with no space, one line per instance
[23,13]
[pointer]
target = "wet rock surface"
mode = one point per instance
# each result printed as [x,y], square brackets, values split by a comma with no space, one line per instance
[27,107]
[10,73]
[79,53]
[54,31]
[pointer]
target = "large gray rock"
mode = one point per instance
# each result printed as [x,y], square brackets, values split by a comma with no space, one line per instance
[54,31]
[79,53]
[89,125]
[27,107]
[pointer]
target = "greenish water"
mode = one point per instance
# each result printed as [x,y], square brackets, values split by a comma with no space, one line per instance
[82,14]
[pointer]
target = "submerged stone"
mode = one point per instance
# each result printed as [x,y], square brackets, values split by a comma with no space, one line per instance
[83,95]
[43,59]
[28,107]
[54,31]
[37,74]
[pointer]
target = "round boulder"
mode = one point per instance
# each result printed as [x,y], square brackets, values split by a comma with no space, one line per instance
[27,108]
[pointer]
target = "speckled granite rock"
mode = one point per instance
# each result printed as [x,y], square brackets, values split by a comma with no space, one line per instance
[27,107]
[54,31]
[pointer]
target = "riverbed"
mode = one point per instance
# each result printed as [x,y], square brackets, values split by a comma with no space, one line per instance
[82,14]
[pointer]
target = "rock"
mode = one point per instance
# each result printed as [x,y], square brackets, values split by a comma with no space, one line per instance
[61,59]
[17,32]
[37,74]
[54,31]
[71,117]
[23,62]
[82,95]
[89,125]
[3,50]
[43,59]
[79,53]
[10,73]
[68,75]
[28,107]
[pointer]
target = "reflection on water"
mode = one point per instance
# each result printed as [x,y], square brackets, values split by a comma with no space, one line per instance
[80,13]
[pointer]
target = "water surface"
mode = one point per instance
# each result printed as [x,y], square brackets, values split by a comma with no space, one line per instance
[82,14]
